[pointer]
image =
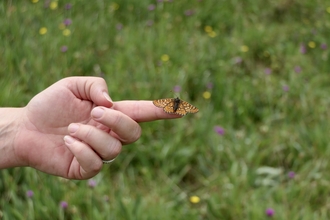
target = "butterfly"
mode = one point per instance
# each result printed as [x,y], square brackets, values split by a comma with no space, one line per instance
[175,106]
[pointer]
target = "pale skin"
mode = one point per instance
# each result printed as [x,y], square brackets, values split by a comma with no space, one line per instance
[70,127]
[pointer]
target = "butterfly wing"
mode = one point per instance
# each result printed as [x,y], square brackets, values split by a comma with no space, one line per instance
[168,106]
[185,108]
[161,103]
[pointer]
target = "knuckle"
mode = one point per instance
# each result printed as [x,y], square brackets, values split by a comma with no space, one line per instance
[88,133]
[117,118]
[136,134]
[96,166]
[129,130]
[115,147]
[112,150]
[137,110]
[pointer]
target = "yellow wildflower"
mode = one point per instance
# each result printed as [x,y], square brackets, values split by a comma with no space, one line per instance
[244,48]
[34,1]
[53,5]
[328,9]
[165,58]
[208,29]
[206,95]
[42,30]
[194,199]
[66,32]
[212,34]
[311,44]
[114,6]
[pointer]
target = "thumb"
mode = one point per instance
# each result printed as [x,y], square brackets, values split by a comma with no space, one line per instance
[93,89]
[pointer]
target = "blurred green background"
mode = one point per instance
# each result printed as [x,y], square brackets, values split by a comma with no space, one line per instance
[259,71]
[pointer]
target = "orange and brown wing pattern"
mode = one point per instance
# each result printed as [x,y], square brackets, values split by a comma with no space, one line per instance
[175,106]
[169,108]
[186,107]
[161,103]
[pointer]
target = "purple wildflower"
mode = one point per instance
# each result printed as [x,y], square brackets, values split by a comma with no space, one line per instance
[268,71]
[291,174]
[303,48]
[68,6]
[119,26]
[64,204]
[29,193]
[238,60]
[209,85]
[91,183]
[151,7]
[324,46]
[67,22]
[270,212]
[64,49]
[150,23]
[297,69]
[219,130]
[189,12]
[285,88]
[46,4]
[177,88]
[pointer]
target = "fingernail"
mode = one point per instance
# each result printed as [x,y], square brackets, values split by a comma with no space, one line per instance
[73,128]
[68,139]
[97,112]
[106,95]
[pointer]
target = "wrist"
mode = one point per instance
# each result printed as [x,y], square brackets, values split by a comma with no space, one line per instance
[10,124]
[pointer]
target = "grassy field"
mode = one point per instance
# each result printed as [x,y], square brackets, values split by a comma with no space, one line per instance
[259,71]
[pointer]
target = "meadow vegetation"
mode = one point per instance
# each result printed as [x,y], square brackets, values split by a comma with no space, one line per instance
[259,71]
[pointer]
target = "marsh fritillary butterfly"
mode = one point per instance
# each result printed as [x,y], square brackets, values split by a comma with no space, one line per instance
[175,106]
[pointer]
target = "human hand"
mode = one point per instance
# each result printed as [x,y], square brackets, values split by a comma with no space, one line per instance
[78,110]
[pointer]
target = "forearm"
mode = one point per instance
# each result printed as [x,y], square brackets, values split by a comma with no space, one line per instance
[9,127]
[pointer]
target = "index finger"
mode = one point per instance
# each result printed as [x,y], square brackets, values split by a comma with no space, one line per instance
[142,111]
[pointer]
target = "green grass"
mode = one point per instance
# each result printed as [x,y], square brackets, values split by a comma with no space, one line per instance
[268,131]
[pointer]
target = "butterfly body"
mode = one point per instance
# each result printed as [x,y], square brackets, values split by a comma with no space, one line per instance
[175,106]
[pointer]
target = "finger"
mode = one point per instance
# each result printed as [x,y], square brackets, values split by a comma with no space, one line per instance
[89,162]
[106,146]
[142,111]
[125,128]
[90,88]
